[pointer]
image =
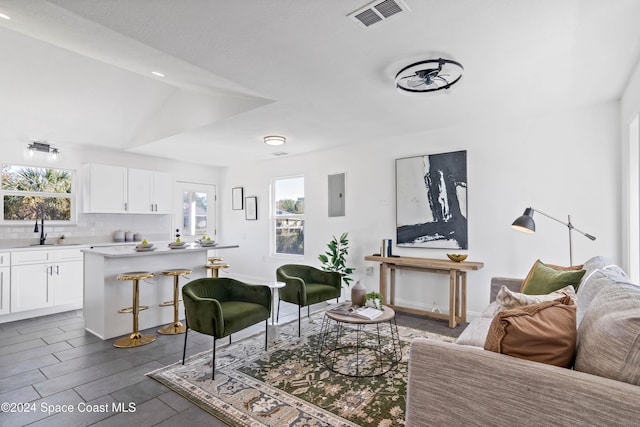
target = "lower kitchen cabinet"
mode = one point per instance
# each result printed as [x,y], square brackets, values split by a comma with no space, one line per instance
[31,287]
[46,278]
[5,282]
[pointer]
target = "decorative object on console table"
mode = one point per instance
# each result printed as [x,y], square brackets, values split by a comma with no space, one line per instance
[385,249]
[431,201]
[251,208]
[526,223]
[237,198]
[457,257]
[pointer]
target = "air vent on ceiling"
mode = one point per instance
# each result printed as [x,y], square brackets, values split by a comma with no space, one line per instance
[377,11]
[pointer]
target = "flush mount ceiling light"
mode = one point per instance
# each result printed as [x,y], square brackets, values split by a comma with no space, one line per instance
[42,147]
[429,76]
[274,140]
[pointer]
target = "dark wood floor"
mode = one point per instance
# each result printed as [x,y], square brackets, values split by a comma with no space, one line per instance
[50,363]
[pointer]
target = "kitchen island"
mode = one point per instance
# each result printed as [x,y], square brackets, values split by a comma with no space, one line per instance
[104,295]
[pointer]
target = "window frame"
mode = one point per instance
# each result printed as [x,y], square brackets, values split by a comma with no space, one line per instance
[72,196]
[273,218]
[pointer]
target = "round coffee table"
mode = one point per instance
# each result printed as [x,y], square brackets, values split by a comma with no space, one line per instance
[358,347]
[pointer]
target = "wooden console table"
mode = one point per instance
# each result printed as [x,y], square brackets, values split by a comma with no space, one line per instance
[457,272]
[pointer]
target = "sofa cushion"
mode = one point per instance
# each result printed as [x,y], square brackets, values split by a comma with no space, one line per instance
[543,332]
[594,281]
[476,332]
[543,279]
[608,342]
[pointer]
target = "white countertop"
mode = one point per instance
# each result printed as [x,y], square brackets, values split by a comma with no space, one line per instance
[161,249]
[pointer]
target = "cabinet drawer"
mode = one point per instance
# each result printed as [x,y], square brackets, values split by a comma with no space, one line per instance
[5,259]
[67,254]
[30,257]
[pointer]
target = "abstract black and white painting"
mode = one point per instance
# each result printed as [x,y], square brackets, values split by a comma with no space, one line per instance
[431,201]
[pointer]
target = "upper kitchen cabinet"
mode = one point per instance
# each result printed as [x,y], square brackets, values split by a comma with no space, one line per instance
[104,189]
[149,191]
[115,189]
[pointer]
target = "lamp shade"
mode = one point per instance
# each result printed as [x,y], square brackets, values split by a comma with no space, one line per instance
[525,222]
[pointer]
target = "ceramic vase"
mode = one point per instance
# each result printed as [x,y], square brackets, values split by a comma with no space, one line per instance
[357,293]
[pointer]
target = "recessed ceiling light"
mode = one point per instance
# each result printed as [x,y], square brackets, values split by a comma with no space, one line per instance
[274,140]
[7,17]
[156,73]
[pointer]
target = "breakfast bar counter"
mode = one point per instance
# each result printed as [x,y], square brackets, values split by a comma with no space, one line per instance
[104,294]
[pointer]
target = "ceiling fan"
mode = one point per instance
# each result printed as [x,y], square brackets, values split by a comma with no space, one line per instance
[429,75]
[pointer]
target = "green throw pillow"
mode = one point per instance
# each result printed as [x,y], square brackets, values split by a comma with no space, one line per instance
[543,279]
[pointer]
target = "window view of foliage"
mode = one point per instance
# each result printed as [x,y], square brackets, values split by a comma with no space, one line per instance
[24,189]
[288,215]
[194,213]
[290,231]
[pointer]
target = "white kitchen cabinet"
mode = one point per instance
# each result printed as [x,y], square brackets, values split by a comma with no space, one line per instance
[30,287]
[139,190]
[5,282]
[162,192]
[67,282]
[104,189]
[48,278]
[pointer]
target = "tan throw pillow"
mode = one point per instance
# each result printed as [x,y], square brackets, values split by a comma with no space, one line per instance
[543,279]
[543,332]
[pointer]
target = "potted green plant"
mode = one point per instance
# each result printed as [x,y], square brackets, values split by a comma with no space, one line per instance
[335,259]
[374,299]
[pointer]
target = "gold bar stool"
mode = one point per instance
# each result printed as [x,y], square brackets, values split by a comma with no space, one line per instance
[214,265]
[176,327]
[135,339]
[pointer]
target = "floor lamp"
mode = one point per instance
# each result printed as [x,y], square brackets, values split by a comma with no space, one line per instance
[526,223]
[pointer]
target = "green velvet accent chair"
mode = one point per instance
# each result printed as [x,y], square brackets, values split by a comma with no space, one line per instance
[306,285]
[222,306]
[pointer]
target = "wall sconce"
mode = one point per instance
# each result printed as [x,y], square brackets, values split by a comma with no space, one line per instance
[274,140]
[42,147]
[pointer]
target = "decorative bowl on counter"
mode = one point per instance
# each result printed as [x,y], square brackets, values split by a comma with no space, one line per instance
[457,257]
[206,243]
[177,245]
[144,246]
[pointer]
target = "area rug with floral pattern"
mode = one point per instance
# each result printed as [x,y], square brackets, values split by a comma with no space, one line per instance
[290,385]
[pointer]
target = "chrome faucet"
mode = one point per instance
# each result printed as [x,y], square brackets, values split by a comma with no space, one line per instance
[43,236]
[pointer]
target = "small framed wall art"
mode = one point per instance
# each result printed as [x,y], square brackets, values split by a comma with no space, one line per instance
[237,198]
[251,208]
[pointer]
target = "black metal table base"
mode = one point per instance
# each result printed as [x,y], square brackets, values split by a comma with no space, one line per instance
[359,349]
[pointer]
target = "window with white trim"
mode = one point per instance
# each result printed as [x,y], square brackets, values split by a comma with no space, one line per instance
[27,189]
[288,215]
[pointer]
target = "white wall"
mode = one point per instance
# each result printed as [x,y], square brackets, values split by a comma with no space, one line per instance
[99,227]
[630,108]
[562,163]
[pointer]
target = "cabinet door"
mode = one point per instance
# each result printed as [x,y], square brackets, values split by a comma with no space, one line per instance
[162,192]
[105,188]
[67,282]
[5,283]
[140,188]
[30,287]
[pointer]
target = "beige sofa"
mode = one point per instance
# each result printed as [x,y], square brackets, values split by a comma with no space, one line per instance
[454,384]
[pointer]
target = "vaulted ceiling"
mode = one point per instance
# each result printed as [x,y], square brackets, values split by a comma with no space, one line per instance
[79,72]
